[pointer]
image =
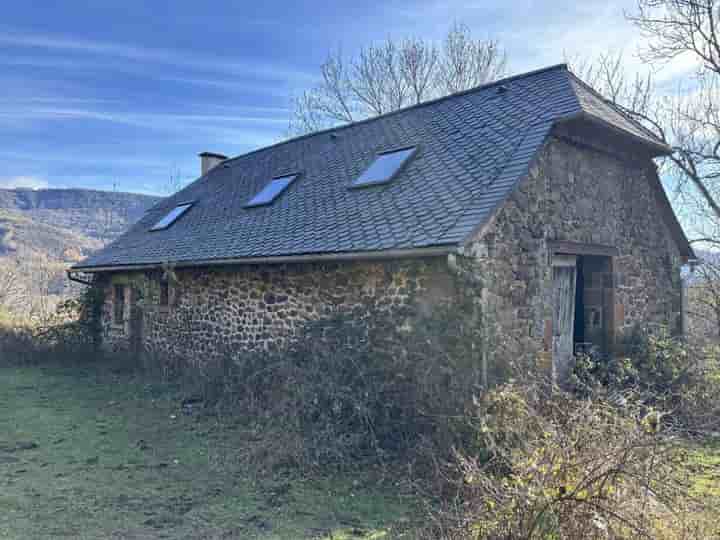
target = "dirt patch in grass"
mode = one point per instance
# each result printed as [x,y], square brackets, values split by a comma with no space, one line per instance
[85,453]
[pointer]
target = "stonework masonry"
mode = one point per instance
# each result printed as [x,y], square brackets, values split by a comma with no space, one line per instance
[574,192]
[581,194]
[216,311]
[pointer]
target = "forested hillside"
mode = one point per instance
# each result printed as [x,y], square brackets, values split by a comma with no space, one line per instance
[42,232]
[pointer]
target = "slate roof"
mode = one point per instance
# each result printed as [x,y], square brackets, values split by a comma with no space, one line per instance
[472,149]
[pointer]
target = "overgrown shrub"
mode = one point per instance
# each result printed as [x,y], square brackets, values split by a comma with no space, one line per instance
[668,372]
[72,333]
[75,326]
[348,393]
[555,466]
[17,343]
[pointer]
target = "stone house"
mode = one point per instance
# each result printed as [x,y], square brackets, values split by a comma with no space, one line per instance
[532,200]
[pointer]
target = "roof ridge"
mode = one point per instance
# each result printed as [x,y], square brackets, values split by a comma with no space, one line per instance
[617,108]
[478,88]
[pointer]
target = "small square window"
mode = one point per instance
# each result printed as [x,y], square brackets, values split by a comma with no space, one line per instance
[119,304]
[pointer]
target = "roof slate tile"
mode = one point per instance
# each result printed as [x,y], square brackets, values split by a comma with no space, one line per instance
[473,148]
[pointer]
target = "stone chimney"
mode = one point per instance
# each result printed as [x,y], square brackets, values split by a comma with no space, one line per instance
[209,160]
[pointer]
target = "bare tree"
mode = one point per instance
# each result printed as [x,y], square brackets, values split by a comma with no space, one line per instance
[689,121]
[688,117]
[106,223]
[419,61]
[608,74]
[11,290]
[692,124]
[704,300]
[467,62]
[675,28]
[175,182]
[42,288]
[7,240]
[395,74]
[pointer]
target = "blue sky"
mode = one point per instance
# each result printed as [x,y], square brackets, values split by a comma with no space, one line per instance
[97,94]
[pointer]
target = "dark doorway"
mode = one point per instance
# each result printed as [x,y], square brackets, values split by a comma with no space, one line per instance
[593,305]
[583,296]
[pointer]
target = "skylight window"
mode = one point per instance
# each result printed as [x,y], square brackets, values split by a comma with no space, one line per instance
[272,191]
[171,217]
[384,168]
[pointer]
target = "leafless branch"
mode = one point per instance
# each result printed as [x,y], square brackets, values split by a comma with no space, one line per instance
[393,74]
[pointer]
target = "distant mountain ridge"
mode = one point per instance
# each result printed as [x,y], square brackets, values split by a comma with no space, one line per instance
[97,215]
[43,232]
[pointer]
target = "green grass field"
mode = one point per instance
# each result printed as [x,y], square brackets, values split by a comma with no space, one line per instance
[85,453]
[93,453]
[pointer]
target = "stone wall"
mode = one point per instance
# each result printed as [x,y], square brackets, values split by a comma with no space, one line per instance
[218,311]
[574,193]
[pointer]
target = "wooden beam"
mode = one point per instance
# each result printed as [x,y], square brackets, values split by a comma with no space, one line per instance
[578,248]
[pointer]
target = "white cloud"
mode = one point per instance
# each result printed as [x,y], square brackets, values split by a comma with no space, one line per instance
[235,127]
[30,182]
[154,55]
[678,68]
[157,120]
[538,34]
[224,77]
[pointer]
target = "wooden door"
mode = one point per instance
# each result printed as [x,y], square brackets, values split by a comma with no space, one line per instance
[564,277]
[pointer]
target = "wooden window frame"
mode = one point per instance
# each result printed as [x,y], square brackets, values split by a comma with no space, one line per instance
[165,301]
[119,305]
[164,296]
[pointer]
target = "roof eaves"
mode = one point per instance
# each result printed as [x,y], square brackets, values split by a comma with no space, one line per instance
[403,253]
[662,149]
[650,135]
